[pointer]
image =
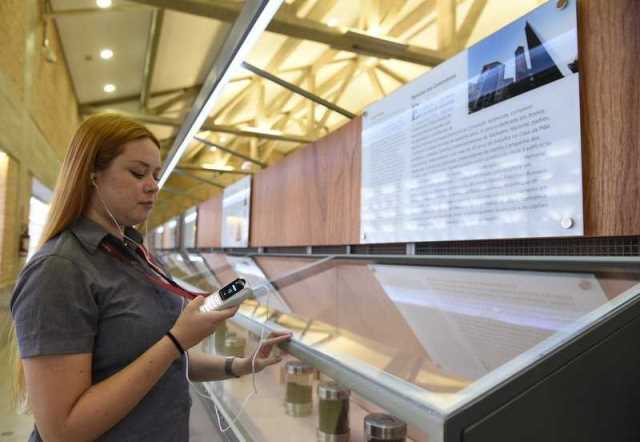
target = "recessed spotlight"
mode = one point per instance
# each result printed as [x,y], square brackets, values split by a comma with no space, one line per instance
[109,88]
[106,54]
[103,3]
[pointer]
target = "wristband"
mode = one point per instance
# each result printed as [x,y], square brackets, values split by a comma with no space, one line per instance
[175,342]
[228,363]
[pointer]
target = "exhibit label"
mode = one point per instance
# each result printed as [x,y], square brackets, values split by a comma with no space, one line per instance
[486,145]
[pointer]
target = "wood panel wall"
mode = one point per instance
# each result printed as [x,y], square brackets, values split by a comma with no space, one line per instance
[313,196]
[209,223]
[609,33]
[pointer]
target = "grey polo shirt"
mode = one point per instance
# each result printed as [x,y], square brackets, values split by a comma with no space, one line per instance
[74,297]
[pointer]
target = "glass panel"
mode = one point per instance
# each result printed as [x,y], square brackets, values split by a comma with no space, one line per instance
[189,227]
[170,239]
[453,332]
[157,237]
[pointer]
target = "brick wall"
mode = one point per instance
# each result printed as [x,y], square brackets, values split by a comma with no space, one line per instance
[38,115]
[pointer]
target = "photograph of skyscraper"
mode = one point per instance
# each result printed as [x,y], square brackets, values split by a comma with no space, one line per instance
[517,59]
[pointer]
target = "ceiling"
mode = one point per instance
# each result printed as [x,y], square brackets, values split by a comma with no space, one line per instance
[163,50]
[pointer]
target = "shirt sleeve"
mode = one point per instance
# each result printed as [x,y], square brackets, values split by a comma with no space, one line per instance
[54,308]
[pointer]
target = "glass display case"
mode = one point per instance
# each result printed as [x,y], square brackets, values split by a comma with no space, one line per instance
[459,348]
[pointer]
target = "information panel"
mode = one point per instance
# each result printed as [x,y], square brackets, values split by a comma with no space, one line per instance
[236,202]
[485,145]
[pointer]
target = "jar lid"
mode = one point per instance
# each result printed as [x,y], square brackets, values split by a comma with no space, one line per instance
[332,391]
[298,367]
[384,426]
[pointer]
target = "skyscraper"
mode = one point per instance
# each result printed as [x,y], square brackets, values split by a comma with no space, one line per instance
[543,68]
[522,71]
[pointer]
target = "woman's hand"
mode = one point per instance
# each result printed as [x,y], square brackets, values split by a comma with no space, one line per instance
[193,325]
[264,358]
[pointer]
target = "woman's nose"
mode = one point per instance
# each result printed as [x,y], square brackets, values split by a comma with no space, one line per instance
[151,186]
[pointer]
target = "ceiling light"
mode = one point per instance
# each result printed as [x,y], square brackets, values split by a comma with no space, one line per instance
[103,3]
[109,88]
[332,22]
[106,54]
[246,166]
[249,25]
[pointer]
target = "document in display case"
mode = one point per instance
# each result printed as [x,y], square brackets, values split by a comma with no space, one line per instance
[459,348]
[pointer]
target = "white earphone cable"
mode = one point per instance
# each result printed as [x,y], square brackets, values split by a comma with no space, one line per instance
[253,377]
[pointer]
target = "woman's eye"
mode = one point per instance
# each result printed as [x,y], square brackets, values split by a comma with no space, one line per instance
[137,175]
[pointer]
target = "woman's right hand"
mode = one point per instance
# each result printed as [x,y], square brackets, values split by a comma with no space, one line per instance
[194,325]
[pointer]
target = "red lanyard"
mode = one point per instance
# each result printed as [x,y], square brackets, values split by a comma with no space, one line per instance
[157,275]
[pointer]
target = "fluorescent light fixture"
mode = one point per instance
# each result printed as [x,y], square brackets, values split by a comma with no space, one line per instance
[103,3]
[106,54]
[109,88]
[252,21]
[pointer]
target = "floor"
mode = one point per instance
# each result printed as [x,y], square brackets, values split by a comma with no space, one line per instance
[17,428]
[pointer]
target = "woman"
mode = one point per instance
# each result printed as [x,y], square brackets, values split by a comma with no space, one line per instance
[100,330]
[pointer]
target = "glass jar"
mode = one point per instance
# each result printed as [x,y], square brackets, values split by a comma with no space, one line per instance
[299,378]
[234,345]
[380,427]
[333,418]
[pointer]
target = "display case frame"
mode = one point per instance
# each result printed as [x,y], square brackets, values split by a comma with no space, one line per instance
[484,417]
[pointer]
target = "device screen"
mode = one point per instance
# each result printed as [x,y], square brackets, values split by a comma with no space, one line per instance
[231,289]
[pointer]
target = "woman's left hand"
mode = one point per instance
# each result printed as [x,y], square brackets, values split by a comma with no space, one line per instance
[264,358]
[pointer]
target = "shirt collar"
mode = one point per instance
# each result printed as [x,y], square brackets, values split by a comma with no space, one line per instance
[91,234]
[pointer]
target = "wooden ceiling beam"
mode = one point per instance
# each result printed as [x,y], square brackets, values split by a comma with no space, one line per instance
[153,41]
[187,95]
[398,77]
[410,20]
[469,23]
[287,23]
[251,132]
[446,23]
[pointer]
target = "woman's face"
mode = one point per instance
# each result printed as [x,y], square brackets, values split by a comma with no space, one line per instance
[128,187]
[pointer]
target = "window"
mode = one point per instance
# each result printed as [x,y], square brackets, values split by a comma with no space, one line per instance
[38,211]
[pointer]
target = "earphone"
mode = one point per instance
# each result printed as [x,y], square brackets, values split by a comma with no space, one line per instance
[92,178]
